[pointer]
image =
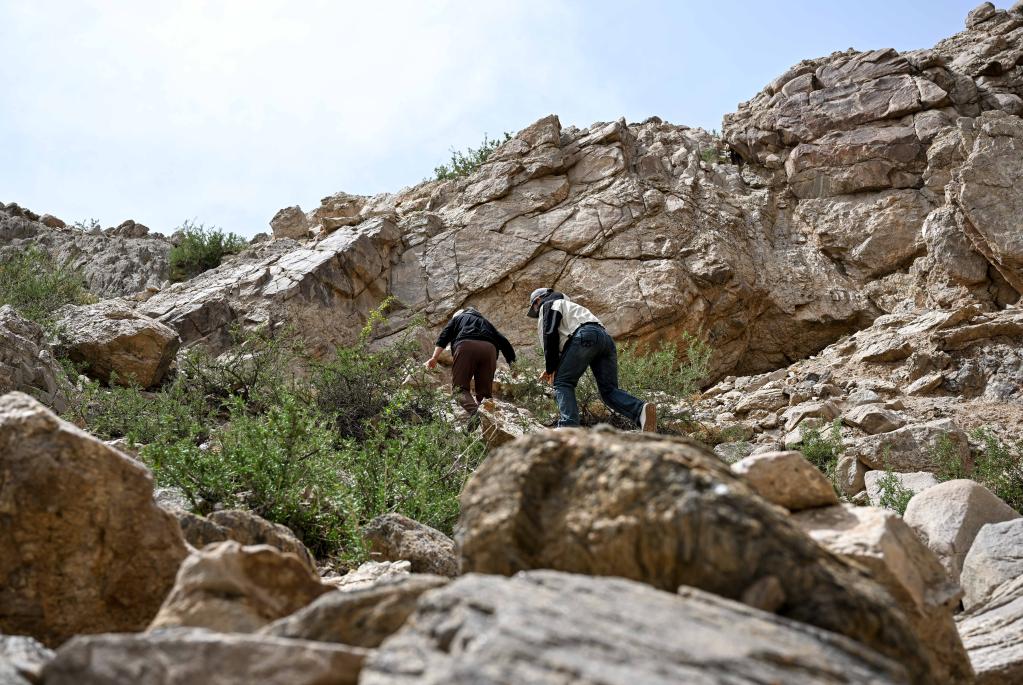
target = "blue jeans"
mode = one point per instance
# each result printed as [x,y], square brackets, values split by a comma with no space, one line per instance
[591,347]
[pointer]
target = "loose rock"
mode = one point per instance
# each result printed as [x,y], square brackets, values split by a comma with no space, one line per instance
[786,479]
[393,537]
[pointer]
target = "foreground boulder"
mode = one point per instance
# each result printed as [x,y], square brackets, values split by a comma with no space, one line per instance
[83,546]
[881,542]
[949,515]
[363,617]
[26,362]
[114,341]
[544,627]
[184,656]
[993,635]
[244,527]
[667,513]
[236,589]
[393,537]
[786,479]
[995,558]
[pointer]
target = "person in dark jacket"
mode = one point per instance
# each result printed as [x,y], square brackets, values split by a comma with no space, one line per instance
[475,343]
[573,339]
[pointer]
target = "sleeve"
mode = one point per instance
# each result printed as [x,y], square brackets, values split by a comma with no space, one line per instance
[450,332]
[506,348]
[551,343]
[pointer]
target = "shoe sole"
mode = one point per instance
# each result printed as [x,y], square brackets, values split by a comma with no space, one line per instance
[649,424]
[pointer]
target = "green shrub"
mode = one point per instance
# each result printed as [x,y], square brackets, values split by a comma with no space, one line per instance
[34,284]
[947,460]
[281,465]
[201,249]
[465,163]
[822,448]
[894,495]
[999,467]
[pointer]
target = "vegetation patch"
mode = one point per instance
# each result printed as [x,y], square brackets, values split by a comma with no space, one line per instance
[200,249]
[464,163]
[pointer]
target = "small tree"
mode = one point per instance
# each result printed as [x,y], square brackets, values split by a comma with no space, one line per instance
[37,286]
[201,248]
[465,163]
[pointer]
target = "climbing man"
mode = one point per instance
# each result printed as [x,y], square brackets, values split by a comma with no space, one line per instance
[573,340]
[474,344]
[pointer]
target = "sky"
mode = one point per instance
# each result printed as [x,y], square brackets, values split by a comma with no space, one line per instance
[222,112]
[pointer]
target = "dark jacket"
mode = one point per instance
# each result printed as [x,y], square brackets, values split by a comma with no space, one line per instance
[471,325]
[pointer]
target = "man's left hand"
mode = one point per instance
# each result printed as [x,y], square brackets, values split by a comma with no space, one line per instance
[547,378]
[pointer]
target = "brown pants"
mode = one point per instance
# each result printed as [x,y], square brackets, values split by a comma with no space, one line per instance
[475,360]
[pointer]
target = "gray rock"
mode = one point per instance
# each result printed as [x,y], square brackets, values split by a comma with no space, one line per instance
[873,419]
[27,363]
[22,659]
[363,617]
[949,515]
[849,475]
[183,656]
[995,558]
[546,627]
[393,537]
[290,222]
[913,448]
[993,635]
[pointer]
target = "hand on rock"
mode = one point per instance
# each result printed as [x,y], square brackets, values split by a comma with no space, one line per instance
[430,363]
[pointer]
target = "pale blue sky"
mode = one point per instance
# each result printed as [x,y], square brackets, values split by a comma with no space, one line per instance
[226,111]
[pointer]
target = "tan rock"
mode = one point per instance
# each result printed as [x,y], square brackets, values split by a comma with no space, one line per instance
[993,635]
[364,617]
[112,340]
[290,222]
[873,419]
[180,656]
[548,628]
[880,541]
[83,547]
[786,479]
[913,447]
[949,515]
[665,512]
[849,475]
[232,588]
[243,527]
[27,363]
[913,482]
[393,537]
[370,573]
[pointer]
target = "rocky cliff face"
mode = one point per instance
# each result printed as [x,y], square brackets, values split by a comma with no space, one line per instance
[862,188]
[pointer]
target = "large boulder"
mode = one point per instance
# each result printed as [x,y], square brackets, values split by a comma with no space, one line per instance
[881,542]
[992,633]
[786,479]
[290,222]
[995,558]
[114,341]
[948,517]
[668,513]
[26,360]
[544,627]
[393,537]
[237,589]
[362,617]
[183,656]
[83,546]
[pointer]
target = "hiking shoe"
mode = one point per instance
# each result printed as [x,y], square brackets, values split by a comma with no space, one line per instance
[648,418]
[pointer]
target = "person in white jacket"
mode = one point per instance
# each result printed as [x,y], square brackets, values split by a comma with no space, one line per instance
[573,339]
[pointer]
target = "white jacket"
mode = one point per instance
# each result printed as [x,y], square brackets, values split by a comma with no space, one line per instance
[572,317]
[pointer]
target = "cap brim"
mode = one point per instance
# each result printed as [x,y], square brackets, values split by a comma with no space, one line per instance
[533,312]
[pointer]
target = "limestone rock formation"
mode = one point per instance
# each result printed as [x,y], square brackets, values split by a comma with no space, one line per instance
[363,617]
[112,265]
[949,515]
[668,513]
[995,558]
[889,549]
[393,537]
[182,656]
[786,479]
[545,627]
[112,340]
[26,360]
[83,547]
[237,589]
